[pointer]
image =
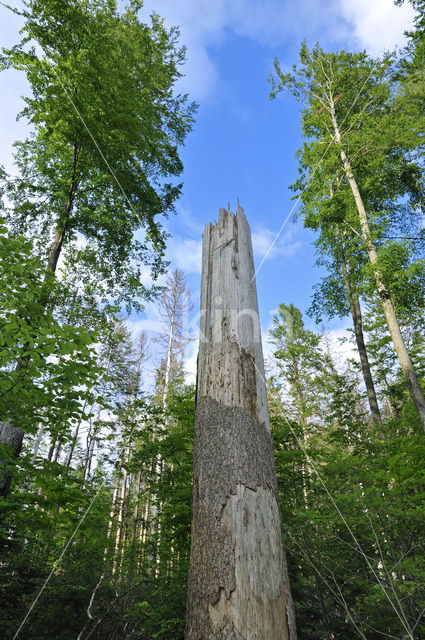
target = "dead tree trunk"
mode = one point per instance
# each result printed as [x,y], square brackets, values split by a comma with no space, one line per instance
[237,577]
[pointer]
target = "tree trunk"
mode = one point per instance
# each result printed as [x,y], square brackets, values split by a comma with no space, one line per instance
[37,441]
[75,436]
[120,520]
[406,365]
[133,564]
[356,315]
[237,577]
[58,450]
[108,535]
[168,363]
[51,448]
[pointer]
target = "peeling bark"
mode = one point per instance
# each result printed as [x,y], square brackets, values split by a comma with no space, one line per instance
[237,577]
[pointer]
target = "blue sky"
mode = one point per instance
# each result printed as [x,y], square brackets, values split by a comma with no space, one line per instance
[242,144]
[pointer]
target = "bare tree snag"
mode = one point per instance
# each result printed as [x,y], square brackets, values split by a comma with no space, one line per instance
[238,587]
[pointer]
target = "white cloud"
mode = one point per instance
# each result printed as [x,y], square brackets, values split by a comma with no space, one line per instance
[151,323]
[185,217]
[201,24]
[185,254]
[339,344]
[263,243]
[204,25]
[378,25]
[374,24]
[191,361]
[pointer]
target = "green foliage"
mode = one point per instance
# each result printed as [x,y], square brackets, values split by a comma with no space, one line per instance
[359,96]
[110,482]
[54,357]
[352,501]
[106,131]
[147,591]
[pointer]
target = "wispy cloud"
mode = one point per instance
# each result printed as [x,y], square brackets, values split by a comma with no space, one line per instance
[274,23]
[204,26]
[377,25]
[286,245]
[185,254]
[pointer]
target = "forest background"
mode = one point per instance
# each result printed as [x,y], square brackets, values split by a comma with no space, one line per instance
[98,388]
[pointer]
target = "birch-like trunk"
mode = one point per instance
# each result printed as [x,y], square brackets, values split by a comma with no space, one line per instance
[406,365]
[238,585]
[37,441]
[75,436]
[120,519]
[167,376]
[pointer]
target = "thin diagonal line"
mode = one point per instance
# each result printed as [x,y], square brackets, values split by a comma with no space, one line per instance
[316,168]
[58,561]
[339,595]
[402,616]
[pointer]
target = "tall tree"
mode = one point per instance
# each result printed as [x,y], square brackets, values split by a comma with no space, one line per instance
[355,136]
[173,307]
[412,65]
[338,294]
[106,130]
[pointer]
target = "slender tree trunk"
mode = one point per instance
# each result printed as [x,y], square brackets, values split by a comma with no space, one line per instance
[92,433]
[105,551]
[145,527]
[51,449]
[75,436]
[132,560]
[237,577]
[356,315]
[57,452]
[11,436]
[120,519]
[37,441]
[169,359]
[412,382]
[91,440]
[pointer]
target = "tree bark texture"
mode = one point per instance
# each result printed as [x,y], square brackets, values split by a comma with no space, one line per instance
[238,587]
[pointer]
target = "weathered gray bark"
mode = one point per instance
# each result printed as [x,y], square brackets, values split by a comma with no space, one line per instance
[406,365]
[12,438]
[238,586]
[356,315]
